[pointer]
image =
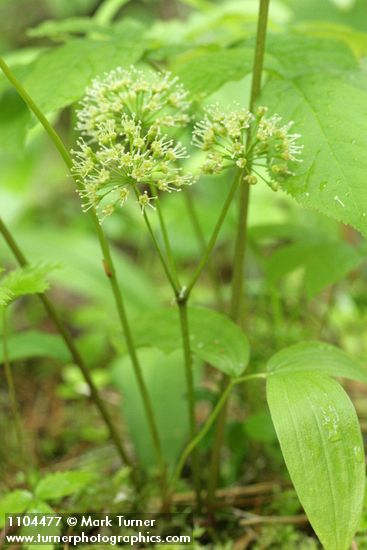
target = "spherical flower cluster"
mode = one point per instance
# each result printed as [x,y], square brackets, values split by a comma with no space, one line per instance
[123,151]
[155,99]
[240,138]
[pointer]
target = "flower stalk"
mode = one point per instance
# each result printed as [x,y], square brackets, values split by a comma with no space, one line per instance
[240,244]
[108,265]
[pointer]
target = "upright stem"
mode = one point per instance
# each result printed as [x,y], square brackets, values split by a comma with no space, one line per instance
[184,323]
[166,241]
[11,389]
[74,352]
[181,297]
[240,246]
[202,246]
[107,261]
[209,423]
[165,265]
[213,239]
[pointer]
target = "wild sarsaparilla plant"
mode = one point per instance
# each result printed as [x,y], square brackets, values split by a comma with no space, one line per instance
[132,123]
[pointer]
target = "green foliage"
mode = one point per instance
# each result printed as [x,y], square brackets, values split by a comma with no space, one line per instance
[214,337]
[55,487]
[314,74]
[32,344]
[31,279]
[316,357]
[15,502]
[203,72]
[64,29]
[319,434]
[165,378]
[324,263]
[331,177]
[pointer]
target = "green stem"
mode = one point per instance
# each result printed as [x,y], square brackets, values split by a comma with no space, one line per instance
[167,244]
[181,300]
[74,352]
[184,323]
[11,390]
[208,424]
[165,265]
[240,246]
[107,260]
[107,11]
[202,247]
[213,239]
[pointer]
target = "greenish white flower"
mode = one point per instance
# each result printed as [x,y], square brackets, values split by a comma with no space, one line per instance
[243,139]
[156,100]
[122,151]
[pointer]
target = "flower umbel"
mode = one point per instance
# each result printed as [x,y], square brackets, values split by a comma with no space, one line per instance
[123,149]
[155,99]
[224,135]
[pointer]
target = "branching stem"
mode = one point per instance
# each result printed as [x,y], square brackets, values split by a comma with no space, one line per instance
[107,262]
[240,244]
[208,424]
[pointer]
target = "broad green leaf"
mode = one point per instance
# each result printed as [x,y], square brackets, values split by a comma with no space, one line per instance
[32,344]
[317,357]
[15,502]
[55,487]
[327,11]
[324,263]
[297,55]
[331,178]
[60,76]
[214,337]
[205,72]
[31,279]
[165,379]
[321,442]
[356,40]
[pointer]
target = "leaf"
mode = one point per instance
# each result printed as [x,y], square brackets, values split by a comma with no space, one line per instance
[331,178]
[316,357]
[205,72]
[324,263]
[57,486]
[33,344]
[356,40]
[214,337]
[321,442]
[292,55]
[27,280]
[60,76]
[165,379]
[42,509]
[6,296]
[15,502]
